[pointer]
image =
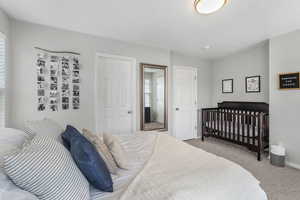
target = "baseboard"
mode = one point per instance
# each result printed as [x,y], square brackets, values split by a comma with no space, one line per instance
[293,165]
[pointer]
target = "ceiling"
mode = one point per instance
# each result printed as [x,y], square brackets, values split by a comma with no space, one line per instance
[169,24]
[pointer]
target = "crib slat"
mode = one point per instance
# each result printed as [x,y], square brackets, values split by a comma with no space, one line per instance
[213,123]
[248,127]
[229,124]
[218,122]
[210,122]
[253,128]
[215,120]
[238,125]
[202,124]
[243,127]
[222,125]
[216,116]
[226,120]
[259,138]
[234,119]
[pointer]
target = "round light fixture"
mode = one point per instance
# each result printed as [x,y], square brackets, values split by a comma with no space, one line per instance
[209,6]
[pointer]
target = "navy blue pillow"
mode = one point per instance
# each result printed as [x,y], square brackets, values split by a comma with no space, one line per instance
[87,159]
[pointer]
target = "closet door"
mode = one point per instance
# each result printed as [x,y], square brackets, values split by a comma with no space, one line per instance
[185,102]
[115,95]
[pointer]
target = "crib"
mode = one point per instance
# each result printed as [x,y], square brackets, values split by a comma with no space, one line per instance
[242,123]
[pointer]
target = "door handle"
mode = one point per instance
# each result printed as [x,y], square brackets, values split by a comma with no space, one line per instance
[177,109]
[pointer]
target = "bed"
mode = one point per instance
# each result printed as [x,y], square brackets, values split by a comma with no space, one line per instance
[164,168]
[243,123]
[161,168]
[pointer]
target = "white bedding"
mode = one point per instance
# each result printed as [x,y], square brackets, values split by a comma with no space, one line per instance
[163,168]
[167,169]
[139,148]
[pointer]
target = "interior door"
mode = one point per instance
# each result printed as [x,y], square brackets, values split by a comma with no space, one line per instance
[185,102]
[115,85]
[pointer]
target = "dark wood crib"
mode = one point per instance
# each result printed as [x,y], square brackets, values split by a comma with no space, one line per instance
[243,123]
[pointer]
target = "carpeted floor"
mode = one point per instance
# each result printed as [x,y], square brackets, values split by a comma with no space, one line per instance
[278,183]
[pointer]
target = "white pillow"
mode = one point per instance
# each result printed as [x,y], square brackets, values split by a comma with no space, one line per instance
[46,168]
[10,140]
[44,127]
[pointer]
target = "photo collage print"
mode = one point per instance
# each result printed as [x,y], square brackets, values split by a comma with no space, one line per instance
[58,81]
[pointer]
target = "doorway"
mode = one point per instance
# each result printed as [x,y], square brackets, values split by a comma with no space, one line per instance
[115,90]
[185,102]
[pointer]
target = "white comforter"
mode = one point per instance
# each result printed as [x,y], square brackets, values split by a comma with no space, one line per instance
[163,168]
[178,171]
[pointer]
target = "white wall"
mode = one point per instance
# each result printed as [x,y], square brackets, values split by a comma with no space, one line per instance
[285,105]
[25,36]
[5,29]
[250,62]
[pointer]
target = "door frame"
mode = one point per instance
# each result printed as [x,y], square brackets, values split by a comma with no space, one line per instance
[98,128]
[195,69]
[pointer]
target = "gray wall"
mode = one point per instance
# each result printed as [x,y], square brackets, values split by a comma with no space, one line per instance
[250,62]
[5,29]
[25,36]
[285,104]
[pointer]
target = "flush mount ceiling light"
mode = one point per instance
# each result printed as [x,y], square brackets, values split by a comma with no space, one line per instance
[209,6]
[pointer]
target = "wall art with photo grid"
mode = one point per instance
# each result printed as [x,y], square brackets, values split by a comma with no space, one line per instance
[58,81]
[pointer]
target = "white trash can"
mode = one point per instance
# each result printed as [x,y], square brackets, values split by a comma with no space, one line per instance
[277,155]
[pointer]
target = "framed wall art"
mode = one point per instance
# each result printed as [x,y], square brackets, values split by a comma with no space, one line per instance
[289,81]
[227,86]
[253,84]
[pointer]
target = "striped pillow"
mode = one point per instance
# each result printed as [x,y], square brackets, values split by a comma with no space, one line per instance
[45,168]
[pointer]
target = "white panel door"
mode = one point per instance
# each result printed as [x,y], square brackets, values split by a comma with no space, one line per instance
[115,85]
[185,102]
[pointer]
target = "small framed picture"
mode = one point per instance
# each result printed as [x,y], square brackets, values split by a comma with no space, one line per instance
[252,84]
[289,81]
[227,86]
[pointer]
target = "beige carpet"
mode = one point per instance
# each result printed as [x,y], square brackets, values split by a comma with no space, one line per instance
[278,183]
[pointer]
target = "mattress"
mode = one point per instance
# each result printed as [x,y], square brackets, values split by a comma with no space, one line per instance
[139,148]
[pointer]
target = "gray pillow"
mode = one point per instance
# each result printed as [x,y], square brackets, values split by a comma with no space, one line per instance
[45,168]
